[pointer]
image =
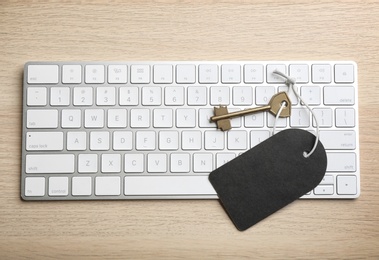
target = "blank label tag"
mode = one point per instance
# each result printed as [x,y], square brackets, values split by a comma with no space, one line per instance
[269,176]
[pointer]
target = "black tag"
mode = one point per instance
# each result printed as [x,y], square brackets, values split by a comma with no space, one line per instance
[269,176]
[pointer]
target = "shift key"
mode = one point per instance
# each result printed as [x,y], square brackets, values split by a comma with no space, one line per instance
[49,163]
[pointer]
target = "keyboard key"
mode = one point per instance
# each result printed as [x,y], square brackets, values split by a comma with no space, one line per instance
[140,118]
[134,163]
[44,141]
[220,96]
[345,117]
[185,117]
[43,74]
[205,115]
[230,73]
[341,162]
[71,74]
[324,190]
[163,74]
[273,78]
[242,96]
[83,96]
[145,140]
[81,186]
[163,117]
[140,74]
[253,73]
[49,163]
[108,186]
[254,120]
[60,96]
[117,74]
[168,140]
[94,74]
[58,186]
[311,95]
[263,95]
[157,162]
[105,96]
[129,96]
[321,73]
[222,158]
[111,163]
[117,118]
[185,73]
[42,118]
[99,141]
[344,140]
[324,117]
[71,118]
[214,140]
[258,136]
[203,162]
[237,140]
[191,140]
[34,186]
[123,140]
[338,95]
[299,72]
[174,96]
[299,117]
[208,73]
[168,185]
[327,179]
[94,118]
[344,73]
[36,96]
[87,163]
[151,96]
[346,185]
[180,162]
[197,96]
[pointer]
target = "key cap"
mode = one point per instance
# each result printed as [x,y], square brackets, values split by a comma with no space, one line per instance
[34,186]
[49,163]
[167,185]
[44,141]
[346,185]
[43,74]
[222,117]
[108,186]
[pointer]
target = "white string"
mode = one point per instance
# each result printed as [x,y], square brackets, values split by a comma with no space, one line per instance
[277,116]
[291,82]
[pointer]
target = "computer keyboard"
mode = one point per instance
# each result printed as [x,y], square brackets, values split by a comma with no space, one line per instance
[142,130]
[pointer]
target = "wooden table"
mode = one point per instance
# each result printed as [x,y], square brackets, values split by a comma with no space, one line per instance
[186,30]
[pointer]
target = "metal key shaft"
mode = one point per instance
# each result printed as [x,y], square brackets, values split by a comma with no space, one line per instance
[222,115]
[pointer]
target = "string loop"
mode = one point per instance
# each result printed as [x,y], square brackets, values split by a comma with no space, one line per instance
[291,82]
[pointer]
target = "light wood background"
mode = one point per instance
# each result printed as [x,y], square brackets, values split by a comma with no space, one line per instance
[186,30]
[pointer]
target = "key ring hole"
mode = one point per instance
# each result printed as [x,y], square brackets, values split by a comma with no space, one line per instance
[284,103]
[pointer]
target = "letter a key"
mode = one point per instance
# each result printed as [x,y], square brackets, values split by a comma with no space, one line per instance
[222,116]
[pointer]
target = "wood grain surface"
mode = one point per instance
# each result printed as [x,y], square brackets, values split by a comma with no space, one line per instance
[186,30]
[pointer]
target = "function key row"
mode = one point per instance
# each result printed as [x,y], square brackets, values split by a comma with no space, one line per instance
[186,73]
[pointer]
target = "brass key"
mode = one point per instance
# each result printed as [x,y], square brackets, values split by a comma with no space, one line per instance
[222,116]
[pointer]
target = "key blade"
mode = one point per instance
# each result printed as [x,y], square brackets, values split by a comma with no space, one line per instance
[224,124]
[276,102]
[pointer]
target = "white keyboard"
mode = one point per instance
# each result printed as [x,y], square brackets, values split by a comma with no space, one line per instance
[141,130]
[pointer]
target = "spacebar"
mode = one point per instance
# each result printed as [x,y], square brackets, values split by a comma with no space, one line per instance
[168,185]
